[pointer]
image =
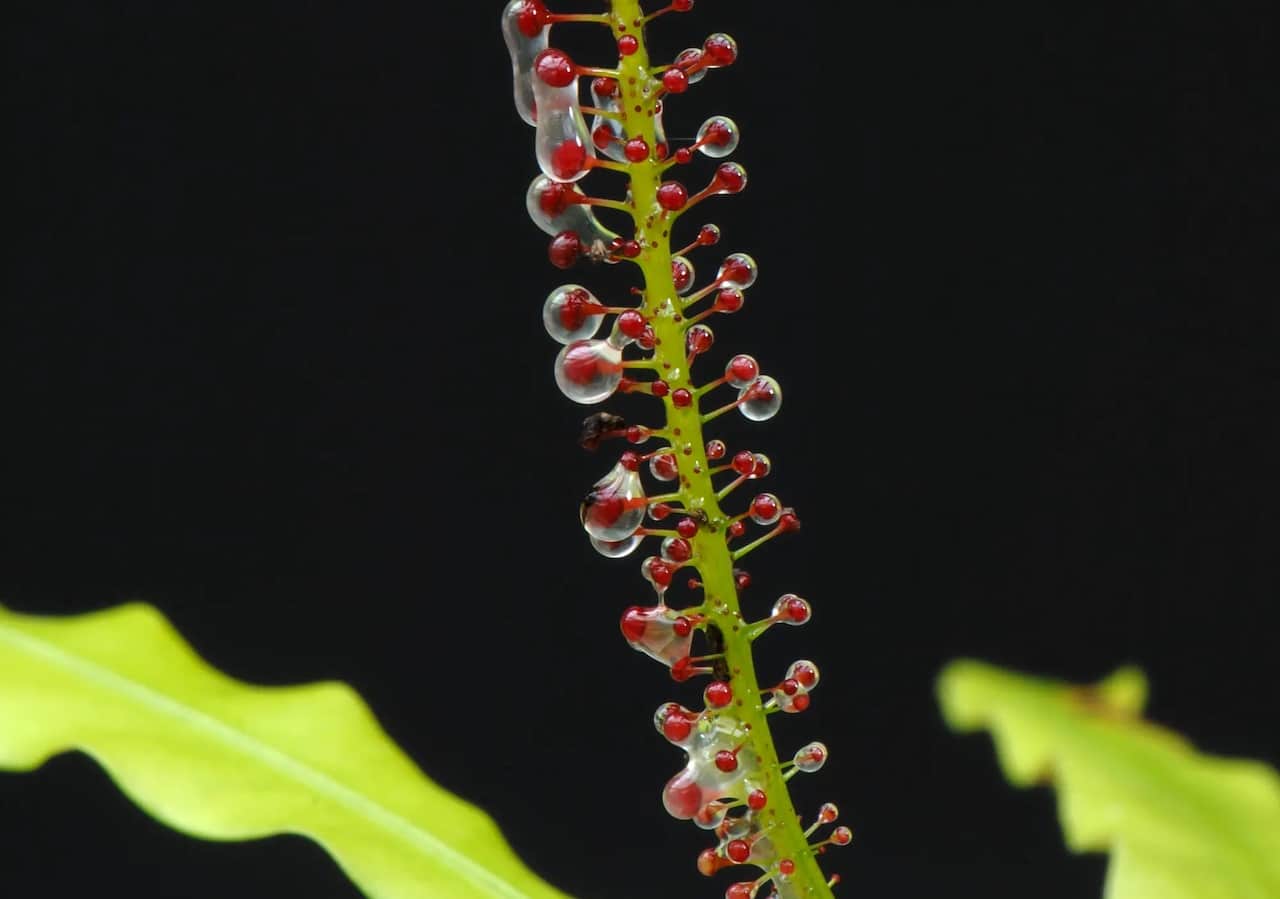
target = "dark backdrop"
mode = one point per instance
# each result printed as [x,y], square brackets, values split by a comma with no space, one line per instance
[272,361]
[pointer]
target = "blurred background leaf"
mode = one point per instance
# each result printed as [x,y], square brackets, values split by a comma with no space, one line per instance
[220,759]
[1178,824]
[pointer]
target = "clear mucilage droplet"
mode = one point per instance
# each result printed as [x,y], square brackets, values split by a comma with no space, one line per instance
[563,143]
[523,50]
[718,137]
[569,314]
[693,793]
[614,509]
[617,549]
[547,207]
[609,103]
[655,632]
[761,399]
[810,757]
[589,371]
[738,270]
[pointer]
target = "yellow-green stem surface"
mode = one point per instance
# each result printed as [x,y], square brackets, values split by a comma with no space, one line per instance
[684,425]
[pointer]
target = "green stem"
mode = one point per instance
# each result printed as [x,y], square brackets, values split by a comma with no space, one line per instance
[640,89]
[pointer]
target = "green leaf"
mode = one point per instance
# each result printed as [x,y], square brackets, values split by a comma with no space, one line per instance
[1178,824]
[220,759]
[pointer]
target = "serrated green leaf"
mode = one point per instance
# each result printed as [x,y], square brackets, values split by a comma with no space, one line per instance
[1178,824]
[224,760]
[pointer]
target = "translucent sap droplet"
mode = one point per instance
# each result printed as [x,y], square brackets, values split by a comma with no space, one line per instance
[688,57]
[614,150]
[766,513]
[589,371]
[682,274]
[552,215]
[567,314]
[663,467]
[734,369]
[811,757]
[760,400]
[616,549]
[614,510]
[805,672]
[738,270]
[652,630]
[763,465]
[563,143]
[523,50]
[718,136]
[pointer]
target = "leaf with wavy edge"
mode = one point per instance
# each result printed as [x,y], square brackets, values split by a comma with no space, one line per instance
[1178,824]
[225,760]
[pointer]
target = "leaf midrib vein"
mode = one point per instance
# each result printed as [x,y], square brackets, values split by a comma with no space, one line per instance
[317,780]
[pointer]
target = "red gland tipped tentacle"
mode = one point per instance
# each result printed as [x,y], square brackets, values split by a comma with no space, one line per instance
[787,522]
[674,6]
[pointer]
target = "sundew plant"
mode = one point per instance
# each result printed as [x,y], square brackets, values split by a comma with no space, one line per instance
[699,517]
[637,282]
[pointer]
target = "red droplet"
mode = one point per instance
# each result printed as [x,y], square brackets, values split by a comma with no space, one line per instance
[744,463]
[738,851]
[681,274]
[636,149]
[730,177]
[631,323]
[555,198]
[659,388]
[786,867]
[684,156]
[531,18]
[660,511]
[788,522]
[631,248]
[718,694]
[679,550]
[800,703]
[633,624]
[675,81]
[672,195]
[805,675]
[796,609]
[764,506]
[627,44]
[555,67]
[737,529]
[743,368]
[720,49]
[728,300]
[569,158]
[682,669]
[686,527]
[841,836]
[604,87]
[677,724]
[709,862]
[744,889]
[681,397]
[716,449]
[757,799]
[564,249]
[602,136]
[682,797]
[727,760]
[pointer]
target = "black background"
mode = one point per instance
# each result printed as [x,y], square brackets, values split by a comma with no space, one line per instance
[272,361]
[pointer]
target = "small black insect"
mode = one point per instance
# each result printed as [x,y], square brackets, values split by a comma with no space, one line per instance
[600,426]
